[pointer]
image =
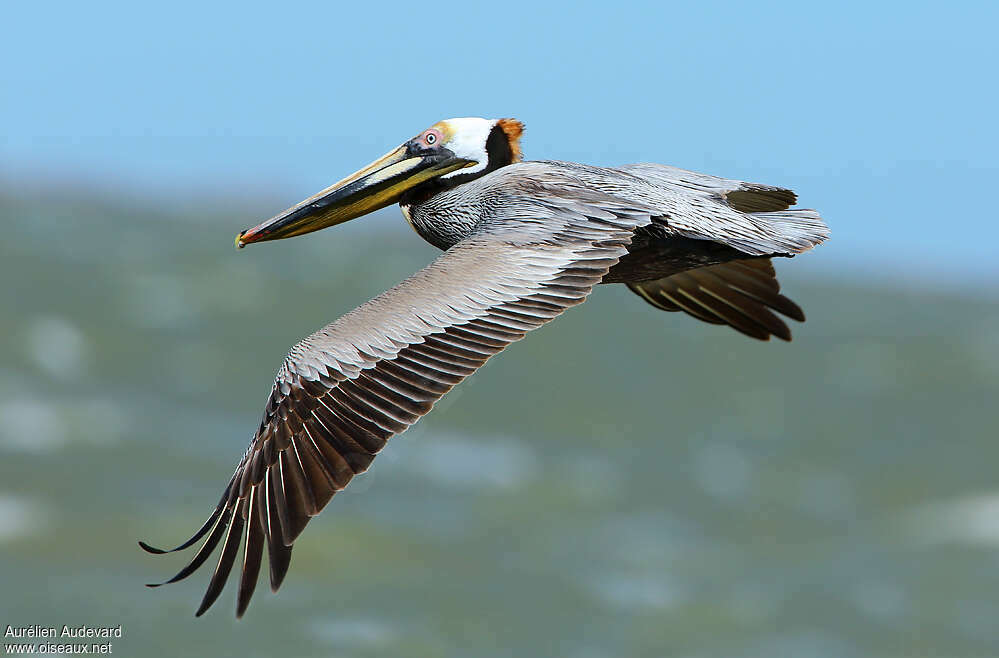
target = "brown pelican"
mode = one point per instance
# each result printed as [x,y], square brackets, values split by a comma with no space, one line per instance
[523,242]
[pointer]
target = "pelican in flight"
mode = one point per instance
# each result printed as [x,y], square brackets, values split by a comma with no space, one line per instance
[523,241]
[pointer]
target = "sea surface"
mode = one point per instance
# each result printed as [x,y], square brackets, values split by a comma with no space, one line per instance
[625,482]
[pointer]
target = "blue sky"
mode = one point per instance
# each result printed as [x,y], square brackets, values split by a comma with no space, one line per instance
[882,115]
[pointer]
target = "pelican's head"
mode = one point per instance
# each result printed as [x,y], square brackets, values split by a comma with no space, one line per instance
[449,152]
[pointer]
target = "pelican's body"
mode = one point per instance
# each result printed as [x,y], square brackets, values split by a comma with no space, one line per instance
[523,242]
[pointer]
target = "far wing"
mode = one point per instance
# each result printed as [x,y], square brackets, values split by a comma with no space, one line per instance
[345,390]
[742,294]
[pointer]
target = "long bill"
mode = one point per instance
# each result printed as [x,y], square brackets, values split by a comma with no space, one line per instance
[379,184]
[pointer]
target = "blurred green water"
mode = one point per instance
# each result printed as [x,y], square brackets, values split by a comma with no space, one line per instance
[622,483]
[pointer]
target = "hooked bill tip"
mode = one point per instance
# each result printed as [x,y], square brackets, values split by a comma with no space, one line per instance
[239,240]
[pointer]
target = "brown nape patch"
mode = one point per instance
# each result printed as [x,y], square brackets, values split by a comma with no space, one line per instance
[513,130]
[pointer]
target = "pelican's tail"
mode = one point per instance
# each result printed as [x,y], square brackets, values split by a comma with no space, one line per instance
[800,229]
[775,233]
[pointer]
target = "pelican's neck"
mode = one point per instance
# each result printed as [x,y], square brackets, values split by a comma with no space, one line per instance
[445,218]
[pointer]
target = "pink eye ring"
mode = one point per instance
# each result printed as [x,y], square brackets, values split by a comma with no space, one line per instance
[430,138]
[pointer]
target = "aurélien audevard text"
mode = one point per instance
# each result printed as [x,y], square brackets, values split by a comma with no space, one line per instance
[82,631]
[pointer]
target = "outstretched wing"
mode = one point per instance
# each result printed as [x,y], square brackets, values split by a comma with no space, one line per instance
[344,391]
[742,294]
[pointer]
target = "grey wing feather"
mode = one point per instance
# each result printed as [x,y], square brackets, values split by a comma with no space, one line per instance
[344,391]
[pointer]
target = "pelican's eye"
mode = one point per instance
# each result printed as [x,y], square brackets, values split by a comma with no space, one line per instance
[431,137]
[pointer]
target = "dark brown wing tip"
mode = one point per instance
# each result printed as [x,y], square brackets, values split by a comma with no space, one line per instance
[227,558]
[784,334]
[280,560]
[202,531]
[151,549]
[791,309]
[241,606]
